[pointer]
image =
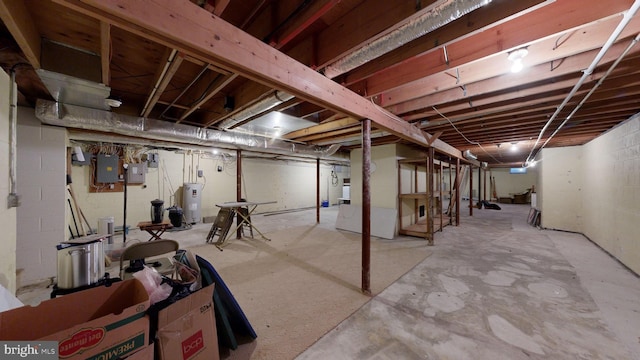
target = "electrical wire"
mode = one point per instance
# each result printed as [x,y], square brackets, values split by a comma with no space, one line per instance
[461,134]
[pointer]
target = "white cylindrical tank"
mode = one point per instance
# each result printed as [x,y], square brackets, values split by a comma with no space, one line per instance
[105,227]
[192,202]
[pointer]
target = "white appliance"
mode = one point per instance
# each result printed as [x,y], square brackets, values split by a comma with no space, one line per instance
[192,202]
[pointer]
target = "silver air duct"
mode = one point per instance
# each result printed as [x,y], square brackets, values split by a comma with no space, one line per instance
[258,108]
[76,117]
[422,24]
[468,155]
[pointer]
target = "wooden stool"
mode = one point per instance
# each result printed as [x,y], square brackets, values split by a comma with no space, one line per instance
[155,230]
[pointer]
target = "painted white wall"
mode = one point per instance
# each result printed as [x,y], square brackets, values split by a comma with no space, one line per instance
[292,184]
[508,184]
[562,186]
[384,176]
[41,185]
[611,195]
[7,215]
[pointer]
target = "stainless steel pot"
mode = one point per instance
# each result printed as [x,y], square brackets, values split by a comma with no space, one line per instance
[81,262]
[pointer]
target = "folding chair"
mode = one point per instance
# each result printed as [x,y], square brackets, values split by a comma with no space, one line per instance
[137,254]
[221,226]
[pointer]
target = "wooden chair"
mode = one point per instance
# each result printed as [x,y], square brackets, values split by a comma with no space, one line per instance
[137,253]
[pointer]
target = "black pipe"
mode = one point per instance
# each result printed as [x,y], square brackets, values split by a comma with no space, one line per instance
[74,219]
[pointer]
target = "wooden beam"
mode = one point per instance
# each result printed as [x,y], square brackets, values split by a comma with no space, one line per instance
[508,35]
[475,22]
[16,18]
[318,129]
[172,65]
[434,137]
[192,30]
[573,56]
[105,52]
[327,135]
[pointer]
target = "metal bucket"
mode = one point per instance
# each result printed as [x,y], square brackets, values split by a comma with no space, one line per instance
[80,264]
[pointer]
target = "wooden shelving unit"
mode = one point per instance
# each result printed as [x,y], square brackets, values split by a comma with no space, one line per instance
[428,187]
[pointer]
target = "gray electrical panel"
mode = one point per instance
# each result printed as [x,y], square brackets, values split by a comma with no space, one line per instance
[107,168]
[136,173]
[153,159]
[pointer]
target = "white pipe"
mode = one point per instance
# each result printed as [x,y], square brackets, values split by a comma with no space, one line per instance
[596,86]
[172,57]
[614,36]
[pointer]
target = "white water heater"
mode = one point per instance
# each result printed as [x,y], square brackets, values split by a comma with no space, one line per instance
[192,202]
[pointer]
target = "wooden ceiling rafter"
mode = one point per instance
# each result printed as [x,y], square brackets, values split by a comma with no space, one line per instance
[165,73]
[216,88]
[18,20]
[167,22]
[105,52]
[508,35]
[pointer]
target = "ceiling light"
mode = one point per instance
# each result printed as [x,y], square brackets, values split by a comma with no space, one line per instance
[516,57]
[514,146]
[113,101]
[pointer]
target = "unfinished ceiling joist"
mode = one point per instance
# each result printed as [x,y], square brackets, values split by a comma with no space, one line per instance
[205,36]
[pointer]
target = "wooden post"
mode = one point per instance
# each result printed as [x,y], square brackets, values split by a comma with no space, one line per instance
[450,193]
[470,190]
[366,206]
[318,191]
[458,175]
[430,207]
[485,184]
[440,175]
[238,188]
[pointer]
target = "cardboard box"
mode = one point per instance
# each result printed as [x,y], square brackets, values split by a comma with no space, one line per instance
[102,322]
[187,328]
[146,353]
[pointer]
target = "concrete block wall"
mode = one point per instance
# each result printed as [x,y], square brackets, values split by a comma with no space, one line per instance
[612,192]
[594,189]
[7,215]
[42,187]
[562,188]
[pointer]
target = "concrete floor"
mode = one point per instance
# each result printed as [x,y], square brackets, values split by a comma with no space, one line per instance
[494,288]
[497,288]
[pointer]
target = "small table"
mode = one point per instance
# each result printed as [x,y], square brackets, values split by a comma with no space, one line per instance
[235,206]
[156,230]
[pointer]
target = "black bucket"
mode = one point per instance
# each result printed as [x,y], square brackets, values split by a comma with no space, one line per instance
[175,216]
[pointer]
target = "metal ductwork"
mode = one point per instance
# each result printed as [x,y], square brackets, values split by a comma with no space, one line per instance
[258,108]
[420,25]
[77,117]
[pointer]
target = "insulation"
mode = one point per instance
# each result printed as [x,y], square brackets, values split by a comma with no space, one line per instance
[76,117]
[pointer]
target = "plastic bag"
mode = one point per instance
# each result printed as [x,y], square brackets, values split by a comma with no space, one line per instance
[187,270]
[154,285]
